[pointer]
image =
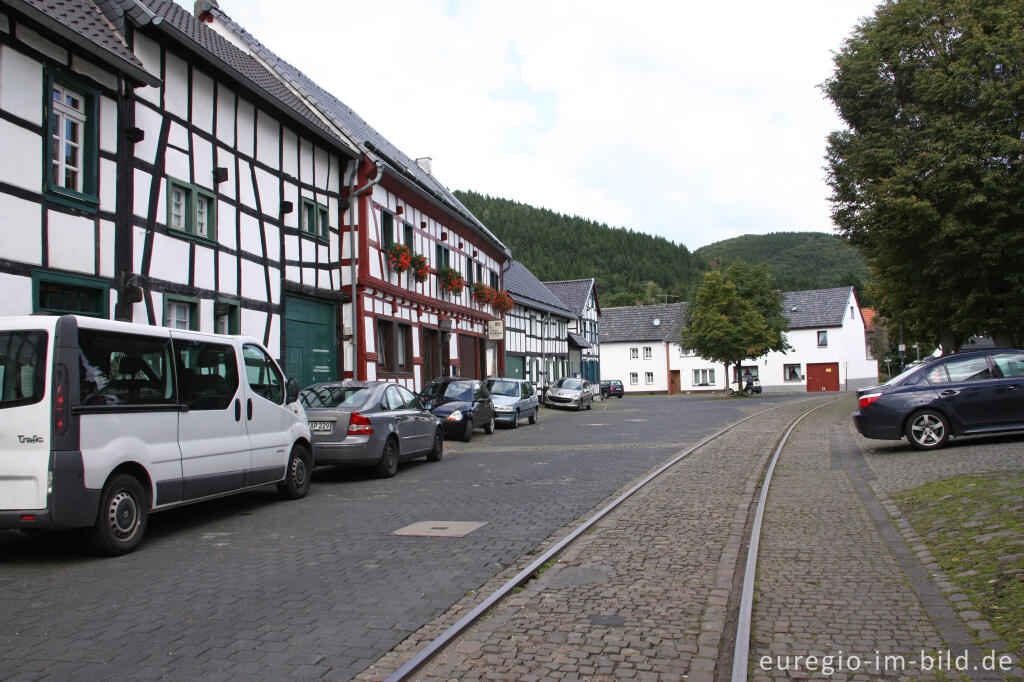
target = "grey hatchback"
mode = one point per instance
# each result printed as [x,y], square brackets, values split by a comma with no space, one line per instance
[369,423]
[514,399]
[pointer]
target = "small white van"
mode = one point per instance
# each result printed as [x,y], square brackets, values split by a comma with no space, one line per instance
[103,422]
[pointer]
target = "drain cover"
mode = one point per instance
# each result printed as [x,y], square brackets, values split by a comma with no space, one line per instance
[440,529]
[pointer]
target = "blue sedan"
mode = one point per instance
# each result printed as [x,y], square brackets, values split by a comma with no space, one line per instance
[957,395]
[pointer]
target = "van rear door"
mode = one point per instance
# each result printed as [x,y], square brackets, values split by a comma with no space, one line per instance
[25,411]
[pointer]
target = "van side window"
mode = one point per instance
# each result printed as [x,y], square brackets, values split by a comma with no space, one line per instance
[264,377]
[22,367]
[207,374]
[124,369]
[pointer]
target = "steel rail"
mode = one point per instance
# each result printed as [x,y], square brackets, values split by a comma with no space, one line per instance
[741,648]
[439,643]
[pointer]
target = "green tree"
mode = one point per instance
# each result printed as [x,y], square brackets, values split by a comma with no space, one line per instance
[928,179]
[736,316]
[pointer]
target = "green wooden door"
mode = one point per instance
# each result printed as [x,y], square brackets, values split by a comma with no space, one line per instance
[515,366]
[310,353]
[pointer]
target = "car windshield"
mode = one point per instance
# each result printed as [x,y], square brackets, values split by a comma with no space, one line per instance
[335,395]
[574,384]
[452,390]
[506,388]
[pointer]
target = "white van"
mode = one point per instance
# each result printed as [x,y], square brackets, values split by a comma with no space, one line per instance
[102,422]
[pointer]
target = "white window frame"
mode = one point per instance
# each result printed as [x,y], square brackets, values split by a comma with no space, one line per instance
[823,334]
[634,378]
[648,378]
[704,377]
[63,114]
[648,352]
[634,353]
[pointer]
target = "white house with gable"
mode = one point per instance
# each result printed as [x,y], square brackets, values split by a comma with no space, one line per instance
[640,345]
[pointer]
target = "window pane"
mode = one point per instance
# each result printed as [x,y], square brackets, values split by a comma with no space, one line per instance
[203,216]
[123,369]
[262,374]
[70,130]
[208,374]
[968,369]
[22,367]
[1011,365]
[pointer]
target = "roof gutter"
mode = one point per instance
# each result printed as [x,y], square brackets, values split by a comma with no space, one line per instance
[135,73]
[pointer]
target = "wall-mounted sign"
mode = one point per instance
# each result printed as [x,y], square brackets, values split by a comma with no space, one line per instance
[496,330]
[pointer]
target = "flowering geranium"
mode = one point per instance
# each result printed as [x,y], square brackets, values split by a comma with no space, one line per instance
[450,280]
[399,257]
[419,267]
[501,301]
[482,293]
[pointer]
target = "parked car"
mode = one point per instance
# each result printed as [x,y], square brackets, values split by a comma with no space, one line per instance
[110,421]
[612,388]
[570,392]
[461,404]
[513,399]
[968,393]
[370,423]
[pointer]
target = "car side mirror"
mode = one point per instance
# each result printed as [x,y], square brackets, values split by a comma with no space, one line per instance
[291,390]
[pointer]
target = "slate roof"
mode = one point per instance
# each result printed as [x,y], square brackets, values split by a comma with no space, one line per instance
[573,293]
[83,24]
[355,128]
[173,19]
[636,323]
[529,291]
[816,307]
[579,341]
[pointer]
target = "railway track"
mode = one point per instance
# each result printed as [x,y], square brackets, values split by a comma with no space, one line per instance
[739,625]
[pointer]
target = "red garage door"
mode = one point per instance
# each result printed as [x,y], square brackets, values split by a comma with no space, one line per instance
[822,376]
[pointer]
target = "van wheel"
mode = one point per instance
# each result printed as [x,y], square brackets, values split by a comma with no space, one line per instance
[388,464]
[436,454]
[296,482]
[122,518]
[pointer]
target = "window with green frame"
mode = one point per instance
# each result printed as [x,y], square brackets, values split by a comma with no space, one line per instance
[191,209]
[387,228]
[442,257]
[71,147]
[315,218]
[407,228]
[58,294]
[181,313]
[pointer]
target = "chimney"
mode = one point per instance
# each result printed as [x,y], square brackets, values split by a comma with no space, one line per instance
[426,163]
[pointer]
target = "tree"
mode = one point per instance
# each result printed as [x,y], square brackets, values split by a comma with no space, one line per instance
[928,179]
[736,316]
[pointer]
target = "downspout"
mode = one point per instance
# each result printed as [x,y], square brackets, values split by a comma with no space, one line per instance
[353,195]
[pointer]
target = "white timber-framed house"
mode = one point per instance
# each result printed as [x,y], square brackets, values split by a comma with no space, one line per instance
[536,329]
[580,296]
[403,330]
[641,346]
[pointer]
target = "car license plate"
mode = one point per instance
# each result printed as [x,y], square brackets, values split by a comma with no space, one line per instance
[319,426]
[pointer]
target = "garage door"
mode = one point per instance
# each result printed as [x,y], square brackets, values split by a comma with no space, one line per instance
[515,366]
[310,353]
[822,376]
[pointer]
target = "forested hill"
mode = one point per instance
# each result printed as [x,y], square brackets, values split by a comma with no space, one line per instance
[797,260]
[633,266]
[556,246]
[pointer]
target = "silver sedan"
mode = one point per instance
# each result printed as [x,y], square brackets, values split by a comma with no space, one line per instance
[370,423]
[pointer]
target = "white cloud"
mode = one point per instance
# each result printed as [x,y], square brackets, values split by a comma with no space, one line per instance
[695,121]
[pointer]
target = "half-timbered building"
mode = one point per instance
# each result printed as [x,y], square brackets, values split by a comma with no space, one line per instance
[580,296]
[63,72]
[406,328]
[536,341]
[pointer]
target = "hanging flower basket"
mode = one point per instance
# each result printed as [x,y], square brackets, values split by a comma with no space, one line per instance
[451,280]
[501,302]
[399,257]
[482,293]
[419,268]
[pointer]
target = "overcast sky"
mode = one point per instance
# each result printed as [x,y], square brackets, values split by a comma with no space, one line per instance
[696,121]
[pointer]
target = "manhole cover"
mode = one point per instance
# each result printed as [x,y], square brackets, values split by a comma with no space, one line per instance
[440,529]
[579,576]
